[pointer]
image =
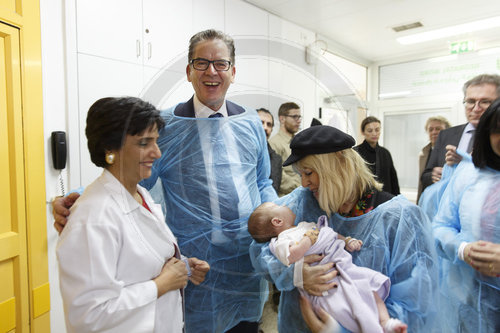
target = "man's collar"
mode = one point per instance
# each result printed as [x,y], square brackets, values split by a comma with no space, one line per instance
[203,111]
[469,127]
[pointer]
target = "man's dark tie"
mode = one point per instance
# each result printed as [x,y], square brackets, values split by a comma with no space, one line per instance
[471,141]
[227,194]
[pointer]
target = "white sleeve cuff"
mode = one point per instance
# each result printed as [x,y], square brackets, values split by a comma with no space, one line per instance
[461,250]
[150,291]
[298,280]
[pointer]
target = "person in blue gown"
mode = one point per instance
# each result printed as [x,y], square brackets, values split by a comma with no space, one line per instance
[396,234]
[467,234]
[431,197]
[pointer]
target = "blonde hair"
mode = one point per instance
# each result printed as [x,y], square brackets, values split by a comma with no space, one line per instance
[440,119]
[343,177]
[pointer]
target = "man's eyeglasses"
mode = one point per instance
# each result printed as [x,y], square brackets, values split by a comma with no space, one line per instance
[201,64]
[471,103]
[295,117]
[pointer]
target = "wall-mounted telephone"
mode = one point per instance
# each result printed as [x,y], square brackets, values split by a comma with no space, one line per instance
[59,151]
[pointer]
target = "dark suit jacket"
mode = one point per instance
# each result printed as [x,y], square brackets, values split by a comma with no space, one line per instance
[187,109]
[450,136]
[276,167]
[423,157]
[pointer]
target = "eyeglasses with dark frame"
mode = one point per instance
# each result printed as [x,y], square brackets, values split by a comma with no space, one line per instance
[201,64]
[295,117]
[483,103]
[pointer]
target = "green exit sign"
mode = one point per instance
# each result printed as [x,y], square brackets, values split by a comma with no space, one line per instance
[461,47]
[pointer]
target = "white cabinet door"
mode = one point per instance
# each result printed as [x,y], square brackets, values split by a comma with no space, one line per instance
[98,78]
[166,30]
[208,15]
[110,29]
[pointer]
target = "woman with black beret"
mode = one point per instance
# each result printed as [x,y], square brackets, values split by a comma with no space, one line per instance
[396,234]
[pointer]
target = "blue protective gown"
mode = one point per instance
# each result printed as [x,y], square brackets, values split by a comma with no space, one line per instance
[431,197]
[197,205]
[397,242]
[469,211]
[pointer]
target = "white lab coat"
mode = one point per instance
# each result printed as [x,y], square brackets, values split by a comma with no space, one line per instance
[108,253]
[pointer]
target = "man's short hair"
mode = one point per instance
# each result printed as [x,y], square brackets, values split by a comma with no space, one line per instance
[481,79]
[211,34]
[285,107]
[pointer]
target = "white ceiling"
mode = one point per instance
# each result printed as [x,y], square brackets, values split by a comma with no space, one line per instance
[364,27]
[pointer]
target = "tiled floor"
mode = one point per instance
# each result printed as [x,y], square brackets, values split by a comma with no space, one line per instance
[269,322]
[269,319]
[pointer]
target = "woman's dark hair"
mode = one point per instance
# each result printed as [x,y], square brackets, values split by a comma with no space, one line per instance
[368,120]
[482,153]
[110,119]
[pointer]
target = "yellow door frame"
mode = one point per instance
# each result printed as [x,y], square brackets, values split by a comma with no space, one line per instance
[25,16]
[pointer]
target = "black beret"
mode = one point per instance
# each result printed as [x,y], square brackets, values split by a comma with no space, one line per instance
[321,139]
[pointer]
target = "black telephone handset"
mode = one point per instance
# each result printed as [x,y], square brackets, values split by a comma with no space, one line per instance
[59,150]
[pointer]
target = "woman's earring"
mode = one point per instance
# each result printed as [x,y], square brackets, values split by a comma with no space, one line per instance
[110,158]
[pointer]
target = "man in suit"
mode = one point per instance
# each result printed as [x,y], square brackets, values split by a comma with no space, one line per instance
[219,189]
[214,172]
[276,161]
[479,93]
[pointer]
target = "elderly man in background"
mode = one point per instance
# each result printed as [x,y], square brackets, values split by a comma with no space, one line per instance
[479,93]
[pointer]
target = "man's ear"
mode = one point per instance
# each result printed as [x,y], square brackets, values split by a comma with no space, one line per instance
[188,73]
[233,73]
[277,222]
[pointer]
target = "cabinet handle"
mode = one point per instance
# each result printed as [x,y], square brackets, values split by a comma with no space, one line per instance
[138,48]
[150,50]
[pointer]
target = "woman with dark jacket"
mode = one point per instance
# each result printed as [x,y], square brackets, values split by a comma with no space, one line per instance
[379,158]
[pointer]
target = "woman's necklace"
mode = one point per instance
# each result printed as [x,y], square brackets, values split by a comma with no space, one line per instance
[138,198]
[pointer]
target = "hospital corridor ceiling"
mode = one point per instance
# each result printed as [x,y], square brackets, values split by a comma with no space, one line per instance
[365,28]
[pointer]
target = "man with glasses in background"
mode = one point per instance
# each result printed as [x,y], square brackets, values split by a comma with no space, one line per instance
[290,119]
[479,93]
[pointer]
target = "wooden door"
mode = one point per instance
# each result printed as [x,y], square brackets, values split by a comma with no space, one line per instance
[14,291]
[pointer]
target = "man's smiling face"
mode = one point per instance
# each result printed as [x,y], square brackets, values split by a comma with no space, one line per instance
[210,85]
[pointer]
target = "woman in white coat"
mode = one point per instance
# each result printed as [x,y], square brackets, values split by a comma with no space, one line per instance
[119,265]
